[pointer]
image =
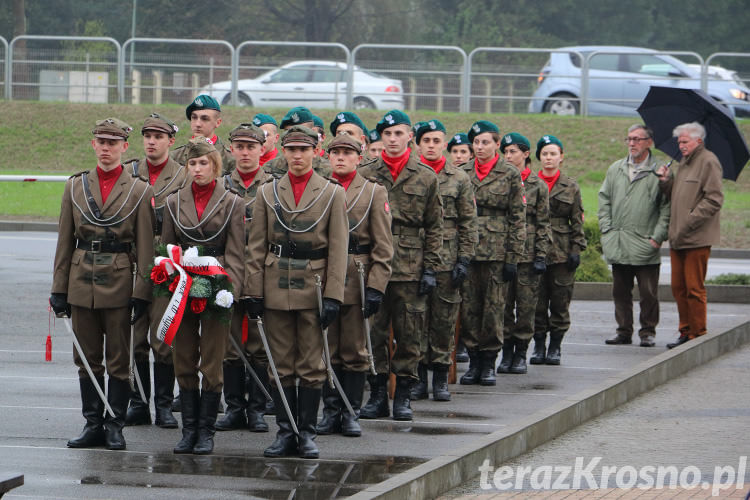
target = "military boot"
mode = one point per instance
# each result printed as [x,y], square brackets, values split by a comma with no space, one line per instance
[330,423]
[354,387]
[177,404]
[440,390]
[256,407]
[487,374]
[419,389]
[539,356]
[92,408]
[163,395]
[308,400]
[518,365]
[209,407]
[553,353]
[401,403]
[377,405]
[190,406]
[507,358]
[462,355]
[138,411]
[118,393]
[234,396]
[471,376]
[285,443]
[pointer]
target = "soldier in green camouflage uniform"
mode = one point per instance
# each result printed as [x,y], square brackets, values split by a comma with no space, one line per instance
[459,237]
[299,116]
[563,257]
[374,145]
[414,197]
[520,303]
[501,226]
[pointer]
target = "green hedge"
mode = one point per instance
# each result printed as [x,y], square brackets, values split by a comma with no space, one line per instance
[593,268]
[730,279]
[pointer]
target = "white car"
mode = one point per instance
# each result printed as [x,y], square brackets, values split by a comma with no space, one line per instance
[314,84]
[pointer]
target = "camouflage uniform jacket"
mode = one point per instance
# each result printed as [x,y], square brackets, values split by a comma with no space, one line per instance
[417,212]
[566,220]
[501,213]
[459,216]
[234,182]
[227,160]
[537,219]
[278,166]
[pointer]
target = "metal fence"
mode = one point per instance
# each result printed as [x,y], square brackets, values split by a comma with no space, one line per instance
[329,75]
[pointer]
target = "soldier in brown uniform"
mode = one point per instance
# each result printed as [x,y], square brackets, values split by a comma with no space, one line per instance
[501,225]
[459,237]
[417,211]
[246,143]
[520,303]
[105,234]
[299,116]
[298,236]
[563,257]
[203,214]
[165,176]
[204,114]
[370,246]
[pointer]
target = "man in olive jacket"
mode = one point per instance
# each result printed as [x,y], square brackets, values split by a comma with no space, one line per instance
[633,218]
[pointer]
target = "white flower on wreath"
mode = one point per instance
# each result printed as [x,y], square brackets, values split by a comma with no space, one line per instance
[190,253]
[224,299]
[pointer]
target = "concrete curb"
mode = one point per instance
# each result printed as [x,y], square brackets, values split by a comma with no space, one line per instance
[12,225]
[728,294]
[443,473]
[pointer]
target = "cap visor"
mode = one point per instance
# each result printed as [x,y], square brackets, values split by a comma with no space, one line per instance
[110,136]
[298,143]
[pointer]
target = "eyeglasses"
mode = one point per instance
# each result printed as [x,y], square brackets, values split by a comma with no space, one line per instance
[636,139]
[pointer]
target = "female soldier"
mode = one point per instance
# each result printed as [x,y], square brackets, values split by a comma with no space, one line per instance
[563,257]
[203,214]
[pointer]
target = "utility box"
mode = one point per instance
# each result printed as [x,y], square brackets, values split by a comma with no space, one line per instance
[74,86]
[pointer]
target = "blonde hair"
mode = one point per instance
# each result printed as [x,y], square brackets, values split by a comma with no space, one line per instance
[216,163]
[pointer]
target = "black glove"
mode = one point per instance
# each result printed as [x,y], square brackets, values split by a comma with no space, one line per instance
[138,308]
[540,266]
[460,272]
[427,283]
[330,311]
[574,260]
[509,271]
[59,304]
[253,306]
[373,299]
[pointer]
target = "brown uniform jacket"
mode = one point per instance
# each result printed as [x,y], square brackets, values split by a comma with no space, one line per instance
[696,196]
[459,215]
[370,225]
[538,239]
[179,155]
[221,227]
[172,177]
[234,182]
[104,280]
[287,283]
[566,220]
[278,166]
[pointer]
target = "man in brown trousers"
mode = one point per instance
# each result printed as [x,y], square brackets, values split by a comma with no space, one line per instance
[105,234]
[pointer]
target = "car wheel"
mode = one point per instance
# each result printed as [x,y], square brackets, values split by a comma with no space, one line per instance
[562,104]
[363,103]
[242,99]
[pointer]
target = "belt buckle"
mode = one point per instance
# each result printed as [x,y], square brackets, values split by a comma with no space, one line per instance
[275,250]
[96,246]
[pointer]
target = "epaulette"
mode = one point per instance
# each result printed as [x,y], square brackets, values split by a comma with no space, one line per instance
[334,181]
[372,179]
[271,178]
[78,174]
[368,162]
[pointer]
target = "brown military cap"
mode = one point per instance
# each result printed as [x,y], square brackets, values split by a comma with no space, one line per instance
[160,124]
[247,132]
[112,128]
[199,146]
[299,135]
[345,141]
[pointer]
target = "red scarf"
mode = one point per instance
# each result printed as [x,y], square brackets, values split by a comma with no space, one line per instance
[107,180]
[201,195]
[299,183]
[345,180]
[247,179]
[436,165]
[525,173]
[483,169]
[155,170]
[549,180]
[268,156]
[397,164]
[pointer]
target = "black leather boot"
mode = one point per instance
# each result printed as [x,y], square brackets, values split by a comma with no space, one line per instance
[377,405]
[256,407]
[308,400]
[330,423]
[234,396]
[401,403]
[92,408]
[539,356]
[190,402]
[419,389]
[285,443]
[518,366]
[462,355]
[471,376]
[177,404]
[209,407]
[507,356]
[163,395]
[487,374]
[553,353]
[440,390]
[354,388]
[118,393]
[138,410]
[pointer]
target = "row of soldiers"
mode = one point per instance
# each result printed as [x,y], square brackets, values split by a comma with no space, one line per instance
[431,237]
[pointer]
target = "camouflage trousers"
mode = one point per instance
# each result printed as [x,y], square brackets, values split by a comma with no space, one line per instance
[555,293]
[243,327]
[443,306]
[483,294]
[404,310]
[520,303]
[141,341]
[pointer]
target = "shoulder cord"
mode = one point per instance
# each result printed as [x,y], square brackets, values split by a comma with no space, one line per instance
[369,205]
[289,211]
[183,229]
[165,187]
[206,216]
[101,222]
[283,224]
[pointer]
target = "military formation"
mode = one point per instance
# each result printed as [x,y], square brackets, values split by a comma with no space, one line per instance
[368,256]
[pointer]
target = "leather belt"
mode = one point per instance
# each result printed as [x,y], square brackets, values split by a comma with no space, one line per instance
[105,246]
[295,253]
[359,249]
[405,230]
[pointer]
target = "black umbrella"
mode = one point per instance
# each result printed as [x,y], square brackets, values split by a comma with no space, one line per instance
[664,108]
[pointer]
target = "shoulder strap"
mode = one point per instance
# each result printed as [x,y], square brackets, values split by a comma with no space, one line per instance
[93,207]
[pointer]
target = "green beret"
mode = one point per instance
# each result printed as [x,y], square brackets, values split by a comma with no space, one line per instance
[428,126]
[457,139]
[299,135]
[347,117]
[547,139]
[247,132]
[297,115]
[199,146]
[481,127]
[160,124]
[416,126]
[392,118]
[318,122]
[374,136]
[514,138]
[345,141]
[203,101]
[112,128]
[261,119]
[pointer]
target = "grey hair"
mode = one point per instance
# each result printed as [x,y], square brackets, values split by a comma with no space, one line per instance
[692,129]
[639,126]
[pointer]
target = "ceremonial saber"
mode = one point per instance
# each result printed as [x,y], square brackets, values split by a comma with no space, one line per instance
[133,373]
[249,367]
[365,320]
[263,338]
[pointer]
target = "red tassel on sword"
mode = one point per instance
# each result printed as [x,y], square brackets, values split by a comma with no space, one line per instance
[48,343]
